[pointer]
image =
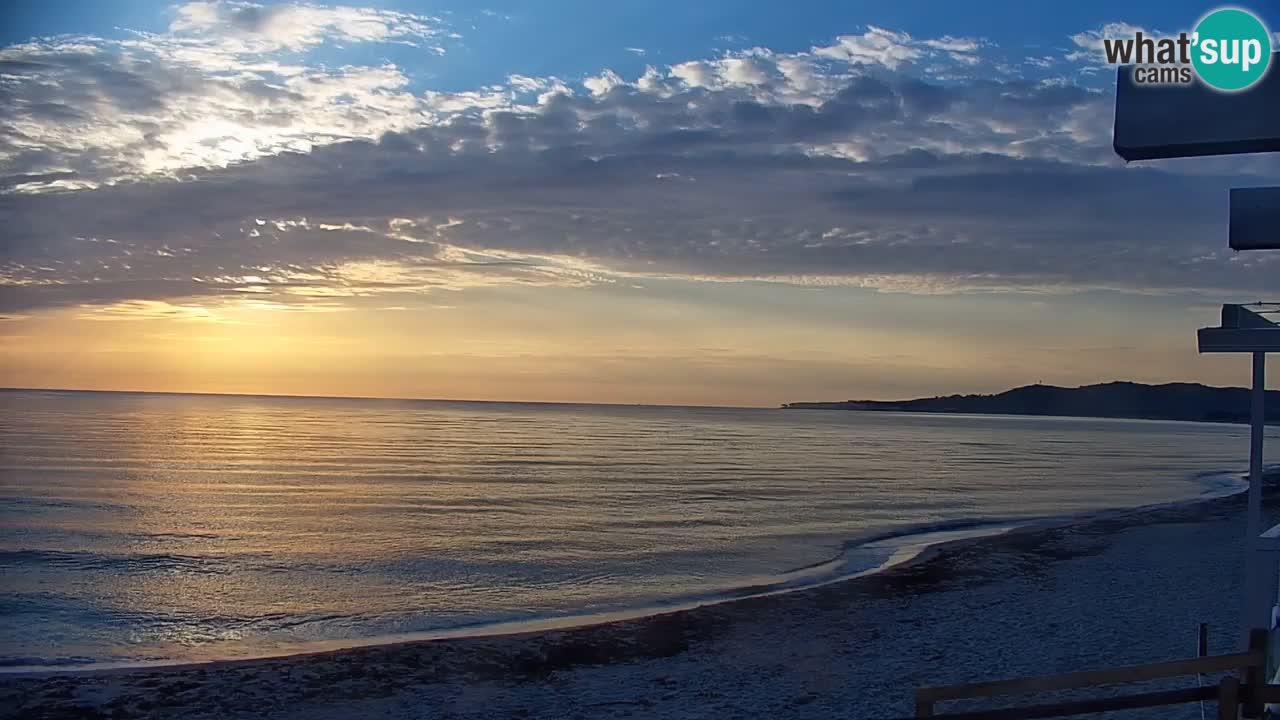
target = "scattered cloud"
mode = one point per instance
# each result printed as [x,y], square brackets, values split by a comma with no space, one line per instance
[1088,46]
[876,45]
[953,44]
[209,165]
[223,85]
[604,82]
[251,29]
[148,309]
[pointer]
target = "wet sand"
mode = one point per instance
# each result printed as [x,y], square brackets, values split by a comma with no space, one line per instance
[1123,589]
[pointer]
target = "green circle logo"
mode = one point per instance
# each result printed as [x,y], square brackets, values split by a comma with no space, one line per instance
[1232,49]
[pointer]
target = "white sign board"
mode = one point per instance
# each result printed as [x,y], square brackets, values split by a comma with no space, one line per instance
[1165,121]
[1255,218]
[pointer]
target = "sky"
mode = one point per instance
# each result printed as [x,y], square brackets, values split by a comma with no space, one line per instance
[717,203]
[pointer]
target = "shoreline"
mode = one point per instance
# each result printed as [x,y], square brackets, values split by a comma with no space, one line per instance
[1050,416]
[910,552]
[907,546]
[699,640]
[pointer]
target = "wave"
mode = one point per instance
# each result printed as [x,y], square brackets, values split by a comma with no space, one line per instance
[73,662]
[859,557]
[84,560]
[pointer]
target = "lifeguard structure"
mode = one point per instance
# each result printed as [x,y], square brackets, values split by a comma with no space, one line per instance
[1174,121]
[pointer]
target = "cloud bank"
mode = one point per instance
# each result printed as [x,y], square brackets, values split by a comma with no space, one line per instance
[216,163]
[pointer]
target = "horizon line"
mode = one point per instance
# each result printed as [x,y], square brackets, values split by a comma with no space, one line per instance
[777,406]
[388,398]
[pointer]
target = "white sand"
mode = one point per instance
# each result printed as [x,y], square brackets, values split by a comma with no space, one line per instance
[1114,591]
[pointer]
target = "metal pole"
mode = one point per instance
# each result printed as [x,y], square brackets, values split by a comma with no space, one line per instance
[1255,444]
[1259,595]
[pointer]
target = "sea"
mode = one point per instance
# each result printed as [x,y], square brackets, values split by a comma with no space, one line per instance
[140,528]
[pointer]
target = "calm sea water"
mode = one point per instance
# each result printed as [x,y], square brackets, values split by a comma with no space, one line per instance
[139,527]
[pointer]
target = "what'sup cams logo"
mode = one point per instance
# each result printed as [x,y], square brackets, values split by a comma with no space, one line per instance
[1229,50]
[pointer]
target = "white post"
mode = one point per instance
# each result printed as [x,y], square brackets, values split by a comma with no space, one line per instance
[1267,555]
[1256,423]
[1261,567]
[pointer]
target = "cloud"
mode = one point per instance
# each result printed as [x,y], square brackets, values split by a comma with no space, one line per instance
[250,28]
[1088,44]
[953,44]
[878,46]
[743,71]
[602,83]
[225,85]
[325,187]
[221,87]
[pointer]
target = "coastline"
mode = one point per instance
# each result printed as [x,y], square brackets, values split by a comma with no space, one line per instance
[899,546]
[395,679]
[1118,399]
[905,546]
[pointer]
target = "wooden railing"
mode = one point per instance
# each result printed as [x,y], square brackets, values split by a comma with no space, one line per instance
[1246,694]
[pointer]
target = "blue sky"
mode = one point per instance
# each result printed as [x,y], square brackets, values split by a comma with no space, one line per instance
[711,202]
[573,39]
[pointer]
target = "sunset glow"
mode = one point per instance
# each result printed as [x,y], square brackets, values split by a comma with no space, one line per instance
[303,199]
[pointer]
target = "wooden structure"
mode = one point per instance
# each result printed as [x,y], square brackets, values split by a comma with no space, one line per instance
[1249,329]
[1195,120]
[1243,694]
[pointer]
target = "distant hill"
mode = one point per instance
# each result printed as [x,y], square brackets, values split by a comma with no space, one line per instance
[1173,401]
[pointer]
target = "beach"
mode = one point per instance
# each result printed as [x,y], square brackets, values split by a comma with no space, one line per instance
[561,361]
[1119,589]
